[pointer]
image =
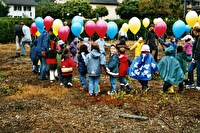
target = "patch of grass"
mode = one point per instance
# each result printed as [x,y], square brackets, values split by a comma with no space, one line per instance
[10,89]
[2,75]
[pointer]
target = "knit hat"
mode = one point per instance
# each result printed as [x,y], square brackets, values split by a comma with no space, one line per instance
[145,48]
[85,40]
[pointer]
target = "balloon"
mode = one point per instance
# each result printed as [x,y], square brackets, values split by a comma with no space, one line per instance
[197,24]
[145,22]
[159,19]
[82,29]
[112,29]
[39,23]
[125,27]
[57,23]
[101,28]
[160,28]
[37,33]
[63,32]
[48,22]
[199,19]
[134,25]
[155,21]
[90,27]
[33,29]
[76,28]
[187,28]
[178,28]
[191,18]
[78,19]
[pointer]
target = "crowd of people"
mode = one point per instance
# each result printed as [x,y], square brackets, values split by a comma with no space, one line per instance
[53,59]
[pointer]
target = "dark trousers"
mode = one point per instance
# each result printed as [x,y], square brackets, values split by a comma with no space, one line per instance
[144,84]
[67,79]
[166,86]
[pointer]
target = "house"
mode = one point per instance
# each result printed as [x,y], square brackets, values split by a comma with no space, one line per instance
[20,8]
[111,5]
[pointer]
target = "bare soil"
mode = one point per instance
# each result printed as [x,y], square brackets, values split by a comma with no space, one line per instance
[29,105]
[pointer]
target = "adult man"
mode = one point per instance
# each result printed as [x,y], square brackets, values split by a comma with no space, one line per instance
[26,37]
[18,34]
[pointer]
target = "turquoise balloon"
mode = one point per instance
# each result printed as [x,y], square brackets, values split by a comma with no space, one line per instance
[76,28]
[112,29]
[78,19]
[39,23]
[178,28]
[187,28]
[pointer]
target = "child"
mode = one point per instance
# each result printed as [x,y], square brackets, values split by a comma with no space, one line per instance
[94,61]
[101,44]
[34,57]
[67,64]
[143,67]
[170,70]
[85,42]
[138,46]
[122,44]
[112,69]
[187,47]
[73,47]
[123,67]
[82,69]
[181,57]
[51,60]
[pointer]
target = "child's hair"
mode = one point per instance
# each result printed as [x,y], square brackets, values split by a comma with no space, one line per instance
[179,49]
[122,50]
[83,48]
[65,51]
[196,28]
[188,39]
[95,46]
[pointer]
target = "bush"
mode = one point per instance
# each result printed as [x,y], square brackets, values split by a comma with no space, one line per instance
[7,28]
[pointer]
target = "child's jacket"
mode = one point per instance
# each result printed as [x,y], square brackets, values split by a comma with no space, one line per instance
[67,64]
[142,67]
[112,66]
[124,64]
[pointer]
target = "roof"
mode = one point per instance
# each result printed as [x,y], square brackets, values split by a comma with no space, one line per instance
[104,2]
[20,2]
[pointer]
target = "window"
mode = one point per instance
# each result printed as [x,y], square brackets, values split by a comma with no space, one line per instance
[27,8]
[17,8]
[30,13]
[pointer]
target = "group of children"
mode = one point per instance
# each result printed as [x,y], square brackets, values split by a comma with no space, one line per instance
[91,61]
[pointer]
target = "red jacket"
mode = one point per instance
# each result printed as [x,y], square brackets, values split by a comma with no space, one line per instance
[67,64]
[124,64]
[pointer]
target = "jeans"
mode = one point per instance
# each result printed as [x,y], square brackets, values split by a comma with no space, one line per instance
[23,46]
[191,68]
[122,79]
[113,82]
[43,68]
[144,84]
[67,79]
[83,80]
[93,84]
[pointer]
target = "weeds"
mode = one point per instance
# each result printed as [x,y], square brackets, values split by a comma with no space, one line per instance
[10,89]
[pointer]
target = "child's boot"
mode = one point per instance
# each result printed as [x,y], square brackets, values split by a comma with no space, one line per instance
[128,87]
[121,87]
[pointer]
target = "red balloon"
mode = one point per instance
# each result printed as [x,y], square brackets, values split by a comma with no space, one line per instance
[90,27]
[63,32]
[48,22]
[33,29]
[101,28]
[160,28]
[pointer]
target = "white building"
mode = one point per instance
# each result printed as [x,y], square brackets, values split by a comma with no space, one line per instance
[21,8]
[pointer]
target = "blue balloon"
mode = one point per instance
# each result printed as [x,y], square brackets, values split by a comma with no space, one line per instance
[76,28]
[112,29]
[187,28]
[39,23]
[178,28]
[78,19]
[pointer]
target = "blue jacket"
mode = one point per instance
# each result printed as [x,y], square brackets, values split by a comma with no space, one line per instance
[94,60]
[43,43]
[142,67]
[113,65]
[81,63]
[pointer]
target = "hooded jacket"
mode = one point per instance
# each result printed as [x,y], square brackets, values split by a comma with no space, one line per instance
[93,61]
[124,64]
[112,65]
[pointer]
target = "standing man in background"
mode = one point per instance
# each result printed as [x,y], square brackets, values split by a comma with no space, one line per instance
[18,34]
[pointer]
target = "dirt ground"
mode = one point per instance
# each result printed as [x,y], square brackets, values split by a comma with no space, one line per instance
[29,105]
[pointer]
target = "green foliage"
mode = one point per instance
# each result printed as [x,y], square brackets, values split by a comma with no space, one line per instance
[2,75]
[4,10]
[7,28]
[10,89]
[100,10]
[128,9]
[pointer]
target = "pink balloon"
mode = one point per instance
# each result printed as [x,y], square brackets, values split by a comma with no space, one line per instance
[101,28]
[90,27]
[160,28]
[33,29]
[63,32]
[48,22]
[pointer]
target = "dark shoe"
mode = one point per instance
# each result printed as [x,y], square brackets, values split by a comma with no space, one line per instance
[22,55]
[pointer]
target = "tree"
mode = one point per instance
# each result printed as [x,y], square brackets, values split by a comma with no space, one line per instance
[160,8]
[74,7]
[128,9]
[4,10]
[100,10]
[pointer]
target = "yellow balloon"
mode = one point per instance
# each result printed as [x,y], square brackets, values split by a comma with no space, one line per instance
[37,33]
[145,22]
[155,21]
[197,24]
[125,27]
[191,18]
[57,23]
[82,29]
[134,25]
[199,19]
